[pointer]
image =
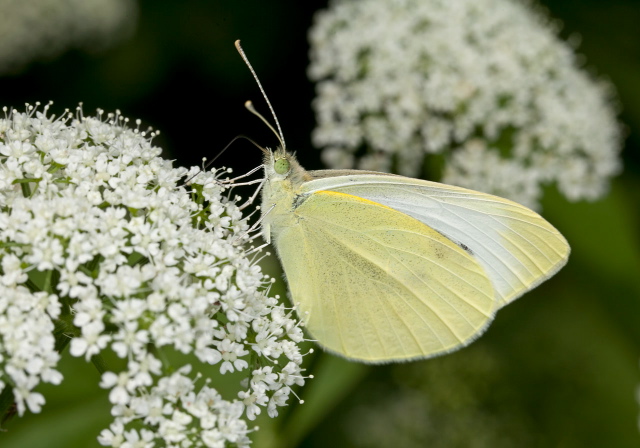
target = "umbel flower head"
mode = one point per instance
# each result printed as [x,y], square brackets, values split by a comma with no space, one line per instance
[102,248]
[482,86]
[39,29]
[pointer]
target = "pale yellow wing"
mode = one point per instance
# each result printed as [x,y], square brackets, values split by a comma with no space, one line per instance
[517,248]
[377,285]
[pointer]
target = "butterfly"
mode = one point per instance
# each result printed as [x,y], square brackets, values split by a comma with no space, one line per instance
[385,268]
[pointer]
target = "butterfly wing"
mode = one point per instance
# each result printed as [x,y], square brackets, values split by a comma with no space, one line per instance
[517,248]
[377,285]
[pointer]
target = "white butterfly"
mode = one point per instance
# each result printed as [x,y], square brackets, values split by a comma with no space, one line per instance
[385,268]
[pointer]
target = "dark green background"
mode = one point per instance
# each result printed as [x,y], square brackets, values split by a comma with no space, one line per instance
[558,368]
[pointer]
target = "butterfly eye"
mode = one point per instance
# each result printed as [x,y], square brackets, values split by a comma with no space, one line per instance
[281,166]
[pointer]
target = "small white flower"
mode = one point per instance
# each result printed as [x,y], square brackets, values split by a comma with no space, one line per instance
[253,399]
[129,339]
[88,310]
[230,352]
[264,377]
[12,270]
[290,350]
[172,431]
[91,342]
[135,439]
[267,346]
[47,254]
[142,371]
[213,439]
[114,436]
[279,398]
[291,375]
[23,392]
[18,150]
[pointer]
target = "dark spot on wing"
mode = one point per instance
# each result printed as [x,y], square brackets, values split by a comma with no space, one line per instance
[465,248]
[462,246]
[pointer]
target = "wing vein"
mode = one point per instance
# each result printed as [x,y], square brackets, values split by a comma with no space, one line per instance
[400,284]
[400,250]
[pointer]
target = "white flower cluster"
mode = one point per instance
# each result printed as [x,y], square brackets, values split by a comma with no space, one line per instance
[36,29]
[485,84]
[101,246]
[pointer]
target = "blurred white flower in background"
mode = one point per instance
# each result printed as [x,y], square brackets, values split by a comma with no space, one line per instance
[102,248]
[485,87]
[42,29]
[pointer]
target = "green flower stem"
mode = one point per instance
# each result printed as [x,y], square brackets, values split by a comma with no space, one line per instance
[162,356]
[64,331]
[7,405]
[47,282]
[100,363]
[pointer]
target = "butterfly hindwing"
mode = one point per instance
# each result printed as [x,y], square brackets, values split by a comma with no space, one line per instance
[377,285]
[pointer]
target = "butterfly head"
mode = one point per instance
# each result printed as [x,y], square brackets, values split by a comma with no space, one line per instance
[281,165]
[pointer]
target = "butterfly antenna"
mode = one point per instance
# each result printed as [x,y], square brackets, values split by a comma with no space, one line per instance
[210,162]
[250,108]
[249,105]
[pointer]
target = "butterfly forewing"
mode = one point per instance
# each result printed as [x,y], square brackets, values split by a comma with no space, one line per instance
[377,285]
[517,247]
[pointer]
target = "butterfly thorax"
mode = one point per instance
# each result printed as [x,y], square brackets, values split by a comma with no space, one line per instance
[284,177]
